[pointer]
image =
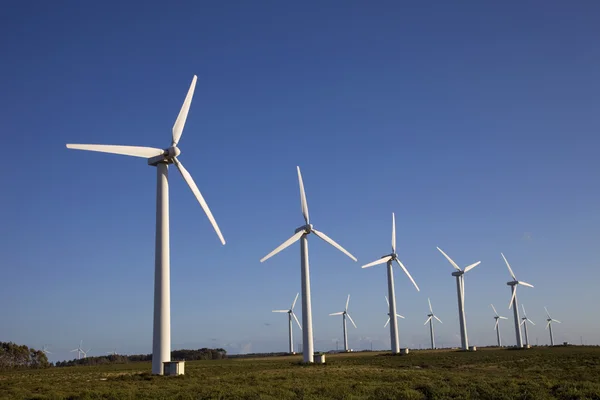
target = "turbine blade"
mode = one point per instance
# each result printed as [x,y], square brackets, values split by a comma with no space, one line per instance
[522,322]
[555,320]
[470,267]
[337,313]
[502,317]
[400,316]
[509,268]
[438,319]
[183,113]
[351,320]
[188,179]
[377,262]
[530,321]
[298,322]
[494,308]
[347,301]
[462,287]
[547,325]
[294,303]
[512,298]
[393,233]
[387,301]
[428,319]
[73,350]
[449,259]
[333,243]
[496,326]
[524,313]
[280,311]
[134,151]
[525,284]
[387,322]
[303,203]
[430,308]
[282,246]
[408,274]
[547,313]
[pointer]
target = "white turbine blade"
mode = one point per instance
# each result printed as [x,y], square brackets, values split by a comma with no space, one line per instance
[430,308]
[470,267]
[509,268]
[280,310]
[438,319]
[428,319]
[555,320]
[400,316]
[351,320]
[134,151]
[393,233]
[188,179]
[298,322]
[183,113]
[283,245]
[547,313]
[408,274]
[333,243]
[337,313]
[512,298]
[347,301]
[387,301]
[494,308]
[462,287]
[294,303]
[449,259]
[496,326]
[522,322]
[525,284]
[73,350]
[502,317]
[303,203]
[377,262]
[530,321]
[524,313]
[387,322]
[547,325]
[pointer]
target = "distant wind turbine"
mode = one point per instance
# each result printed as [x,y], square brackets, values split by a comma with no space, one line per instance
[291,314]
[550,320]
[388,314]
[430,318]
[513,301]
[45,350]
[301,234]
[497,317]
[524,322]
[389,260]
[345,314]
[80,351]
[460,291]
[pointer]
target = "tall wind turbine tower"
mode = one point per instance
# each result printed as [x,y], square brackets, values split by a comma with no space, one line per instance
[524,322]
[513,301]
[430,318]
[550,320]
[302,235]
[291,314]
[161,158]
[345,314]
[460,292]
[389,260]
[497,325]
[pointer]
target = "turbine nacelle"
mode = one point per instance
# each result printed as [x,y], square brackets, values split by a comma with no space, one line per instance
[307,229]
[458,273]
[512,283]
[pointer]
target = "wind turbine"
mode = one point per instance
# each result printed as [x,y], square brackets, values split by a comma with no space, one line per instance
[550,320]
[524,321]
[497,325]
[161,158]
[460,291]
[513,301]
[80,351]
[291,314]
[301,234]
[45,350]
[431,316]
[112,353]
[345,314]
[388,314]
[389,259]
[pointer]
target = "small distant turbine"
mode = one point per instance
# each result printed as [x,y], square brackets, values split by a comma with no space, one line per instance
[389,260]
[291,314]
[550,320]
[431,316]
[513,301]
[345,314]
[80,351]
[524,321]
[112,353]
[497,325]
[460,290]
[388,314]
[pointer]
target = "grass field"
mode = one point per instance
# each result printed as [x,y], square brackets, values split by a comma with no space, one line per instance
[538,373]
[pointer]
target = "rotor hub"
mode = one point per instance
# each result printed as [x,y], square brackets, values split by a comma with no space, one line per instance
[173,151]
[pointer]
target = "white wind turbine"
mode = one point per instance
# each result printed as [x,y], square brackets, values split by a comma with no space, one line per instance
[460,291]
[80,351]
[430,318]
[45,350]
[388,314]
[301,234]
[524,322]
[389,260]
[549,321]
[291,314]
[513,301]
[345,314]
[497,317]
[161,158]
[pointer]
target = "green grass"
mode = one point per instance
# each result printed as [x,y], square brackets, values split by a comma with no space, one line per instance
[539,373]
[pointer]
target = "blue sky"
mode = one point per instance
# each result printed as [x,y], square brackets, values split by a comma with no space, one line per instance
[477,124]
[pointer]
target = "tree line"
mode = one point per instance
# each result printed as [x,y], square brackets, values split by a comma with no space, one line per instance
[20,356]
[176,355]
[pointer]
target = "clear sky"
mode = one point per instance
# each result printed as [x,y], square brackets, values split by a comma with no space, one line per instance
[477,124]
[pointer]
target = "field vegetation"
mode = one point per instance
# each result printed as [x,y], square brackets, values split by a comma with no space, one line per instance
[571,372]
